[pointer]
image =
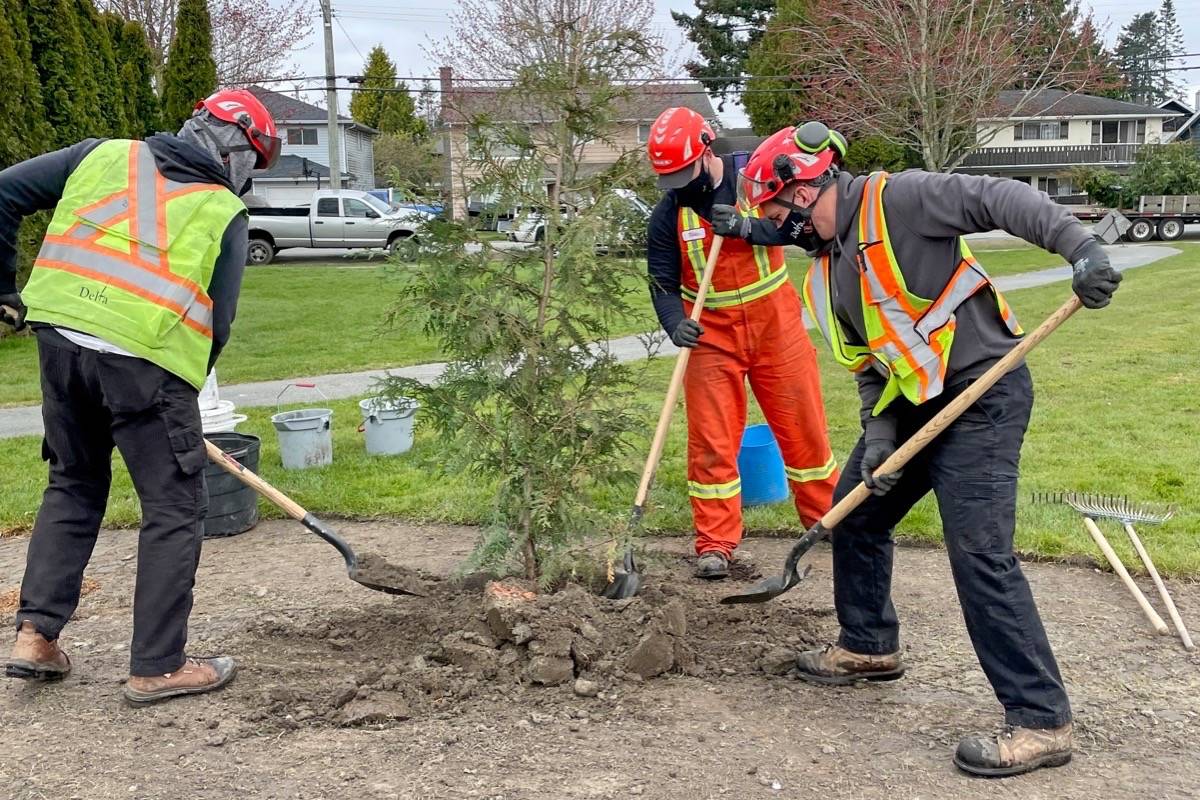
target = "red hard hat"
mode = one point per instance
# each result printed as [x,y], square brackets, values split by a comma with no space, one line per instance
[240,107]
[778,161]
[677,140]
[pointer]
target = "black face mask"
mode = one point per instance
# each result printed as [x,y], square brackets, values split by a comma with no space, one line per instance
[699,185]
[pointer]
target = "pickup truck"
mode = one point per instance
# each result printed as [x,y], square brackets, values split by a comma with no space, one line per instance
[342,218]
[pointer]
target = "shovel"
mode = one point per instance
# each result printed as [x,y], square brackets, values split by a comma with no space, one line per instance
[770,588]
[353,564]
[626,581]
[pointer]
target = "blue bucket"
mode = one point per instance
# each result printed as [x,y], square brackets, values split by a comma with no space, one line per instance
[760,465]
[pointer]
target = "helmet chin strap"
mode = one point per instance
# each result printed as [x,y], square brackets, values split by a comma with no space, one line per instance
[805,212]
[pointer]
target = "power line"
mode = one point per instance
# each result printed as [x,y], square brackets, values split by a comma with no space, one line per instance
[350,40]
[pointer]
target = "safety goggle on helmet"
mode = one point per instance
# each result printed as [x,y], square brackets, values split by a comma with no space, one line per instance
[791,155]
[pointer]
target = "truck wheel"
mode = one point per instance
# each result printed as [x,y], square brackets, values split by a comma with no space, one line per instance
[1170,229]
[1142,230]
[260,252]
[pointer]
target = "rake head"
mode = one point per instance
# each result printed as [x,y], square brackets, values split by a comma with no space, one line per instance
[1107,506]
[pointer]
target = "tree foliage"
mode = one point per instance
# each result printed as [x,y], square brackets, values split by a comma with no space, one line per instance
[58,53]
[102,80]
[772,102]
[1159,169]
[725,33]
[137,75]
[409,164]
[23,130]
[190,74]
[1139,56]
[530,400]
[383,102]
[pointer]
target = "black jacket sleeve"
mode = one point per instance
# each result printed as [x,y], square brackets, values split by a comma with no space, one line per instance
[937,205]
[28,187]
[226,283]
[663,263]
[766,233]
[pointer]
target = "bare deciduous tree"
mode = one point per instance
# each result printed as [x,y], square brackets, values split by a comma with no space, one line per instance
[249,43]
[923,73]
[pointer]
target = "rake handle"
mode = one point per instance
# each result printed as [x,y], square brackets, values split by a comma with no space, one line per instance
[234,468]
[672,398]
[1162,587]
[930,430]
[1119,568]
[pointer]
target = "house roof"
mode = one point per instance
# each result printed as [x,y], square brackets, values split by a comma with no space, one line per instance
[1193,122]
[285,108]
[736,140]
[1177,106]
[643,104]
[1057,103]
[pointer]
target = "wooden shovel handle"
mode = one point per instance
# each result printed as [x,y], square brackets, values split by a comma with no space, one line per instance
[1162,588]
[681,362]
[231,465]
[951,412]
[1119,568]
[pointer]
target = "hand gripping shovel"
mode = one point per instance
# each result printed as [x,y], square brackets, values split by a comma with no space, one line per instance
[773,587]
[371,577]
[626,581]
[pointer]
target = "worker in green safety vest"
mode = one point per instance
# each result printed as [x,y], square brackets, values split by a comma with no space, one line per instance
[132,297]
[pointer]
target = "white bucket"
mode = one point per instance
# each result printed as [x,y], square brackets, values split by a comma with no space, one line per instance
[220,418]
[388,424]
[305,437]
[210,397]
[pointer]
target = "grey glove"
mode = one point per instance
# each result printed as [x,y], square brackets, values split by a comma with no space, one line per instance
[12,302]
[687,334]
[877,452]
[728,221]
[1094,280]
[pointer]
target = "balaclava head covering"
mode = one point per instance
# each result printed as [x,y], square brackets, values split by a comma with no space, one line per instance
[227,144]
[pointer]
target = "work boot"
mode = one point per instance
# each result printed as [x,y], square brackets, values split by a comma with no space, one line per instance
[712,566]
[196,676]
[1014,750]
[834,665]
[34,657]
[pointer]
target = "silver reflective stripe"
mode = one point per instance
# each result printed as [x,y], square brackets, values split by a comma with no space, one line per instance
[148,202]
[103,213]
[968,283]
[144,279]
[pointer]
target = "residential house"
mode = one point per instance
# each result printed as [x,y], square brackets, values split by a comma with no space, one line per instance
[631,125]
[1040,139]
[304,158]
[1185,128]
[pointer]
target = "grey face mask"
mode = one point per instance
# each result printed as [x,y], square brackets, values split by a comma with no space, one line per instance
[227,145]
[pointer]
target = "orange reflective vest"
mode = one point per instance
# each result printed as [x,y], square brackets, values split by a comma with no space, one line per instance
[747,271]
[908,337]
[128,257]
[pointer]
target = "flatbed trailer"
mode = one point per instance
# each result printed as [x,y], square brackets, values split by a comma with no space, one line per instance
[1158,216]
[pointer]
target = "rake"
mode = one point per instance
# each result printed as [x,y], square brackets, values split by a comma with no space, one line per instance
[1100,506]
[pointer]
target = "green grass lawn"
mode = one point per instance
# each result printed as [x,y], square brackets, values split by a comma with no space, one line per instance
[312,319]
[1117,411]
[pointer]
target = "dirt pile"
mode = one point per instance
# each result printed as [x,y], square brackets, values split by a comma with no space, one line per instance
[418,656]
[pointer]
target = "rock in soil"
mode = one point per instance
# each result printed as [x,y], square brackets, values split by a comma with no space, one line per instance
[375,710]
[586,688]
[654,655]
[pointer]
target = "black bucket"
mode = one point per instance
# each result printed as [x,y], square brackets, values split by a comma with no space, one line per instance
[232,505]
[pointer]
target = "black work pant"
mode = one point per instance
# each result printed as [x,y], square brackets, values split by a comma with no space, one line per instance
[972,469]
[90,402]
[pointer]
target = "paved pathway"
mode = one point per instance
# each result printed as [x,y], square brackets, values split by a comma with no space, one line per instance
[27,420]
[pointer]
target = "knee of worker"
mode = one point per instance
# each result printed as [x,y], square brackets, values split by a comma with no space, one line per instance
[72,472]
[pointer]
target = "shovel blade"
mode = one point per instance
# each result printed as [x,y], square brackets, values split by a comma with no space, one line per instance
[385,589]
[766,589]
[625,583]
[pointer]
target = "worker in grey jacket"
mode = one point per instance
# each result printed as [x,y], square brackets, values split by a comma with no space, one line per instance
[904,304]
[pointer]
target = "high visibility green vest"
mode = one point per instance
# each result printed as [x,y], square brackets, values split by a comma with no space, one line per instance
[908,337]
[129,255]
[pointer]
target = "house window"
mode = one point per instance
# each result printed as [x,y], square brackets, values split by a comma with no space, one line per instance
[644,132]
[1029,131]
[1119,131]
[301,136]
[1055,186]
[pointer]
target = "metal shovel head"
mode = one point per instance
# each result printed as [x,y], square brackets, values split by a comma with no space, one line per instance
[626,582]
[770,588]
[374,572]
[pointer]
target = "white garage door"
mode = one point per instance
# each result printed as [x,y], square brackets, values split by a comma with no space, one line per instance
[280,196]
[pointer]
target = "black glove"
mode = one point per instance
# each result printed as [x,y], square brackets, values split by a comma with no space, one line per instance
[687,333]
[728,221]
[877,452]
[1095,280]
[12,301]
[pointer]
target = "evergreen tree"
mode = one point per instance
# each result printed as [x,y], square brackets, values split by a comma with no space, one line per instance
[771,102]
[724,32]
[385,103]
[1170,43]
[1138,55]
[106,97]
[23,130]
[58,53]
[137,73]
[190,74]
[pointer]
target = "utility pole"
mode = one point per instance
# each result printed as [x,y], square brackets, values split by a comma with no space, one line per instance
[335,175]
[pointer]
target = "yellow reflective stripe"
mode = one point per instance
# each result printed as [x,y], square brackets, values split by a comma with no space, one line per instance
[813,473]
[715,491]
[690,220]
[734,297]
[762,256]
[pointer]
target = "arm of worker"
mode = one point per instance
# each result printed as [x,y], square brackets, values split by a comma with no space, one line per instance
[730,221]
[226,283]
[663,263]
[28,187]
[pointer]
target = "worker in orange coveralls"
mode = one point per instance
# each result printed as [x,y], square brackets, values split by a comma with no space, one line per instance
[750,328]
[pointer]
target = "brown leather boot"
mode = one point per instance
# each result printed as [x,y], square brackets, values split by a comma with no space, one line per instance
[34,657]
[836,666]
[196,676]
[1014,750]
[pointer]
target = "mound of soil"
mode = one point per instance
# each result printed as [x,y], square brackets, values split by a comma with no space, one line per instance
[415,656]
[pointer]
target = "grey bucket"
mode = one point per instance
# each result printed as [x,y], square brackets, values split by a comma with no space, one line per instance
[305,437]
[388,424]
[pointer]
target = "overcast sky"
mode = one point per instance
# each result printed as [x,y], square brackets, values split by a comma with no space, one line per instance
[405,29]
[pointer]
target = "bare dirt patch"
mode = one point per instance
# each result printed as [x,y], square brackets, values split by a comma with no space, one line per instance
[490,692]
